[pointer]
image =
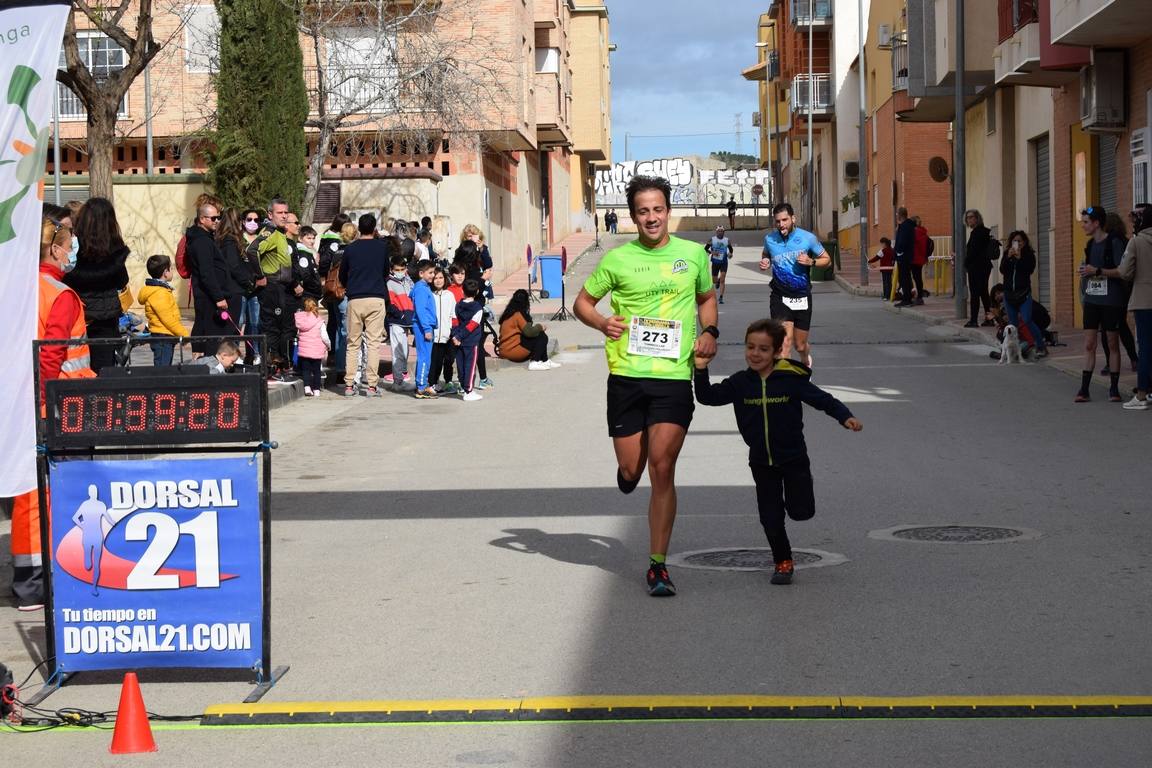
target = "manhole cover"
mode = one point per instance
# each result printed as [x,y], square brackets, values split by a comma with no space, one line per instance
[750,559]
[955,534]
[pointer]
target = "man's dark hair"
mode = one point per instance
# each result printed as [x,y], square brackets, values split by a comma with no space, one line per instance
[773,328]
[902,212]
[643,184]
[157,265]
[367,224]
[471,288]
[1095,213]
[783,208]
[426,222]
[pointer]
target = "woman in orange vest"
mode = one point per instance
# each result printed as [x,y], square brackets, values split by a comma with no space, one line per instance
[61,317]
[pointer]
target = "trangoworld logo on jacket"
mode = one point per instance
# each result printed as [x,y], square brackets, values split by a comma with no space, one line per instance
[767,400]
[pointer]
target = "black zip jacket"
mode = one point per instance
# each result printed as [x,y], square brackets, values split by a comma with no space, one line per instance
[770,410]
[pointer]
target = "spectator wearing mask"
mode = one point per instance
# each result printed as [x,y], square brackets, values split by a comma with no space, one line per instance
[1017,266]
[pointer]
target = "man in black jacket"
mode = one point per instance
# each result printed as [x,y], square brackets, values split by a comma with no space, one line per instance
[364,274]
[905,246]
[214,287]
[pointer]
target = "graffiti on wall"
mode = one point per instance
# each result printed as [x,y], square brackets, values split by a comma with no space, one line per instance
[690,185]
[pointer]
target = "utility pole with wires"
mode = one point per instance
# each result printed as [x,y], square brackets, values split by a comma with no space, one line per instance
[736,129]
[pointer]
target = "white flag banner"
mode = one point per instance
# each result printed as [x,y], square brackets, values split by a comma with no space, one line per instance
[30,38]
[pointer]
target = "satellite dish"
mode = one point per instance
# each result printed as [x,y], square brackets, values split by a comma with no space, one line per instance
[938,169]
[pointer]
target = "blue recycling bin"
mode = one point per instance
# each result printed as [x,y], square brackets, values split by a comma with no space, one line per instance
[551,275]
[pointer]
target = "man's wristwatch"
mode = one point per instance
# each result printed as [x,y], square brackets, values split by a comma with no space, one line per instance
[712,330]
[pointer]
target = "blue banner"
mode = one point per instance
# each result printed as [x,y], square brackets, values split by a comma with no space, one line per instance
[156,564]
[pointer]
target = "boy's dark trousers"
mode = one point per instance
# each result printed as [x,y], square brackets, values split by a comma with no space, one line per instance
[466,360]
[310,372]
[783,489]
[163,347]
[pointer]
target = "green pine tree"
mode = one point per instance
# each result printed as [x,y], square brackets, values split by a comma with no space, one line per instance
[261,105]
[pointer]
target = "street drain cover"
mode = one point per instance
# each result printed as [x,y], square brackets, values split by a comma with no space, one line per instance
[954,534]
[750,559]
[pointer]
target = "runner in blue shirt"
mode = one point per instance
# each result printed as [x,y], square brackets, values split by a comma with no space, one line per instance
[791,252]
[720,249]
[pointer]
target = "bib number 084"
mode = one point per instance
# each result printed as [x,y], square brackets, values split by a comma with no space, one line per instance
[202,529]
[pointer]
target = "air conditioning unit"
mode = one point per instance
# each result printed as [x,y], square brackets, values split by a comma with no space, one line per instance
[1139,144]
[884,36]
[1102,91]
[851,170]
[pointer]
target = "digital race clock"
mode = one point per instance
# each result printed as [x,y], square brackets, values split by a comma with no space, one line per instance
[154,410]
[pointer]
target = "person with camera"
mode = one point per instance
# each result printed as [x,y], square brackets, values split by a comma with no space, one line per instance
[1017,266]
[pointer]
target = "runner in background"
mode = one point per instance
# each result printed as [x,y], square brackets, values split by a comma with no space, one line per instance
[791,253]
[720,249]
[659,285]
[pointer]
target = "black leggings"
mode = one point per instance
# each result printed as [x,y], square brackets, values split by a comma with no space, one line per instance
[783,489]
[310,371]
[918,278]
[978,291]
[537,347]
[904,274]
[443,355]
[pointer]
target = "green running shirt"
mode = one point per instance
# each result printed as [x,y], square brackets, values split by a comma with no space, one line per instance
[661,283]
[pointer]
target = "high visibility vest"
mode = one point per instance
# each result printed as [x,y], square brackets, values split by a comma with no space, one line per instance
[77,359]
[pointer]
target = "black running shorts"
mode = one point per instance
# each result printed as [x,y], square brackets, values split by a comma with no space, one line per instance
[634,403]
[801,319]
[1102,317]
[718,268]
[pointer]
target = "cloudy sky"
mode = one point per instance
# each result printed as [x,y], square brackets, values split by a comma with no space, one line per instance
[677,71]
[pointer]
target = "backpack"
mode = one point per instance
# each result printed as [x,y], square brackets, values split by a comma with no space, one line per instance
[333,288]
[993,250]
[931,247]
[181,262]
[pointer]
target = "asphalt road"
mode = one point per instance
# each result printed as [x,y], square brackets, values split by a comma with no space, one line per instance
[450,550]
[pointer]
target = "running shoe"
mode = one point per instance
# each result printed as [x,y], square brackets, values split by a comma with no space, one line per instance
[1136,404]
[783,572]
[451,388]
[1114,396]
[349,391]
[1082,397]
[539,365]
[659,583]
[427,394]
[721,299]
[552,363]
[472,396]
[625,486]
[485,383]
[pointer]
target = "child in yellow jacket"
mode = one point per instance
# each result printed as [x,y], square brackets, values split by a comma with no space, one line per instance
[161,310]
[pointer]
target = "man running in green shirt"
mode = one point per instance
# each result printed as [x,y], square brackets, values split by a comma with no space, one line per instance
[659,284]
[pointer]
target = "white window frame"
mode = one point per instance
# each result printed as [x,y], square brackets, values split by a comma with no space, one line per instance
[201,43]
[65,94]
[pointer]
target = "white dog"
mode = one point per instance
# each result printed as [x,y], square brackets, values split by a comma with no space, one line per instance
[1010,347]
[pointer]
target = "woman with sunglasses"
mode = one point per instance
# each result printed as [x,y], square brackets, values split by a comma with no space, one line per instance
[214,286]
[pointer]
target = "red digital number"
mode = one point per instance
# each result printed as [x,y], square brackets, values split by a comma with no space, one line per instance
[135,413]
[227,410]
[102,413]
[164,407]
[72,414]
[199,405]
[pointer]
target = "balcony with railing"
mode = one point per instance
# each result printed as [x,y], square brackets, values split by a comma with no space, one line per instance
[815,12]
[899,45]
[366,90]
[1015,15]
[815,90]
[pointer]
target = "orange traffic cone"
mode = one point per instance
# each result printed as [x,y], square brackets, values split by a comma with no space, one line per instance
[132,734]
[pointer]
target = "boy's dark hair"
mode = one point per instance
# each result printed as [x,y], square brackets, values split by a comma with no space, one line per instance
[426,222]
[423,235]
[305,231]
[366,224]
[228,347]
[471,288]
[455,268]
[424,264]
[398,260]
[157,265]
[783,208]
[885,241]
[774,328]
[645,183]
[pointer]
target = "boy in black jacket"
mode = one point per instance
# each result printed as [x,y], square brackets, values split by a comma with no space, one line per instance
[768,397]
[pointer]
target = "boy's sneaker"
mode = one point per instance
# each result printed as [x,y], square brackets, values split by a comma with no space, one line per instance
[539,365]
[1136,404]
[451,388]
[427,394]
[307,391]
[387,378]
[472,396]
[783,572]
[659,583]
[485,383]
[349,391]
